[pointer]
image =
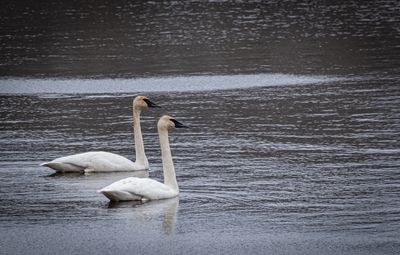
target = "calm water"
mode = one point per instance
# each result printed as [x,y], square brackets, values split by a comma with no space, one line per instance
[294,109]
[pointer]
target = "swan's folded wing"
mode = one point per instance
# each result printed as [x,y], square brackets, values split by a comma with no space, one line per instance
[77,160]
[95,161]
[141,187]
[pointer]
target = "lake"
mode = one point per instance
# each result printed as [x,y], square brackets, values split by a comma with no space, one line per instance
[294,116]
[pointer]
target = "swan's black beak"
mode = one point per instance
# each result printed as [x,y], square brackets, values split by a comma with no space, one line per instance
[178,124]
[151,104]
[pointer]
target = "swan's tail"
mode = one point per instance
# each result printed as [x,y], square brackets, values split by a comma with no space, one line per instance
[50,164]
[111,194]
[116,195]
[64,167]
[58,167]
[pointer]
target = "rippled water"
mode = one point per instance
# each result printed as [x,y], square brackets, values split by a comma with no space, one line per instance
[119,38]
[294,115]
[259,168]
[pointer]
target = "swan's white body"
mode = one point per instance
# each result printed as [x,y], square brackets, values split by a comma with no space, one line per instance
[94,161]
[100,161]
[134,188]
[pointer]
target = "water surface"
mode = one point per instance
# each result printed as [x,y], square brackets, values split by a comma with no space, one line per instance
[141,38]
[309,168]
[294,115]
[159,84]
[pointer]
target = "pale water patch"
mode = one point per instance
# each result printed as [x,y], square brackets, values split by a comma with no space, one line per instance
[156,84]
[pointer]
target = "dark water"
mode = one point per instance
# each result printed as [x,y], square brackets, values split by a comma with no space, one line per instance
[131,38]
[294,109]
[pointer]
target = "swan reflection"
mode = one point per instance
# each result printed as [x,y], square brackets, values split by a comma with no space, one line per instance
[150,210]
[96,175]
[60,174]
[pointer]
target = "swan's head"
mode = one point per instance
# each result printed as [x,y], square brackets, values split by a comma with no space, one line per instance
[168,122]
[143,102]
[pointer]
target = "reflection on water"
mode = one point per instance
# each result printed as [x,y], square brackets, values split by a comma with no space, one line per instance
[152,209]
[93,175]
[126,204]
[167,84]
[71,174]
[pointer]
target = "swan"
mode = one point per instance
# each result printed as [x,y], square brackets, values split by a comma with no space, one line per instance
[100,161]
[133,188]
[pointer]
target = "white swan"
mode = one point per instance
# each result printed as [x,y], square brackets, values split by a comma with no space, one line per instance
[100,161]
[134,188]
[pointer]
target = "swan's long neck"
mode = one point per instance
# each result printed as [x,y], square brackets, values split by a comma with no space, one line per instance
[168,165]
[137,131]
